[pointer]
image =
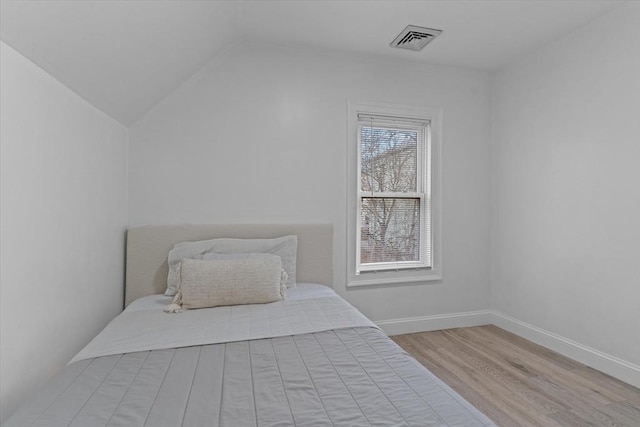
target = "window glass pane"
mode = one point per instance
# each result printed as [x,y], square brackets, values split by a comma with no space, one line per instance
[390,230]
[388,159]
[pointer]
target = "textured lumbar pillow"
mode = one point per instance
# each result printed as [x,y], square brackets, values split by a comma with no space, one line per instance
[256,279]
[284,247]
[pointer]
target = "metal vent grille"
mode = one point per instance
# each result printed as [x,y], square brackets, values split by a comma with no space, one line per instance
[415,38]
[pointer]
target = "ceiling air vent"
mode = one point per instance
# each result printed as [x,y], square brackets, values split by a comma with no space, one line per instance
[415,38]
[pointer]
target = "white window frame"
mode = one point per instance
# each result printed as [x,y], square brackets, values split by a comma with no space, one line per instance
[408,271]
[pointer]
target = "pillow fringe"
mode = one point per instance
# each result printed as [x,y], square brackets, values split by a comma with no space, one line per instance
[176,304]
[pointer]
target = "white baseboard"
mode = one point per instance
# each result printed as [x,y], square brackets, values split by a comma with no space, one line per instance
[603,362]
[409,325]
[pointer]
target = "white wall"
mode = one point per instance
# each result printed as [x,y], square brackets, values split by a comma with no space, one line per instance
[260,136]
[63,216]
[566,194]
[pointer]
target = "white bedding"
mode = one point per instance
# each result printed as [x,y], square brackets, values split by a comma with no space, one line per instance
[144,326]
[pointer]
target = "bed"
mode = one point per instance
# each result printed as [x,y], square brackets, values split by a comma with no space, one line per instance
[309,360]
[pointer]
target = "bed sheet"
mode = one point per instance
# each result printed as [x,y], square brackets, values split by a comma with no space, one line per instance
[307,309]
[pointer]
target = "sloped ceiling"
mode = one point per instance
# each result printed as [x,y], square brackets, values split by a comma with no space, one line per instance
[121,56]
[125,56]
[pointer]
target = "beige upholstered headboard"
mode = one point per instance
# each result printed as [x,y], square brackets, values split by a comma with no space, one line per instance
[148,247]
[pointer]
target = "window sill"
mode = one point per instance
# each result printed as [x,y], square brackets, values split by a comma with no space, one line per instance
[377,279]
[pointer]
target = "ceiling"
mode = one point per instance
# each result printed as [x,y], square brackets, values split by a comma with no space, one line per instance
[125,56]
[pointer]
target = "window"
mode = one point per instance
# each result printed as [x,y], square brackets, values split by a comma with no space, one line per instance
[393,198]
[393,194]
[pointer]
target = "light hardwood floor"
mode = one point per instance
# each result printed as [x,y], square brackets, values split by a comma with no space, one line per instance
[518,383]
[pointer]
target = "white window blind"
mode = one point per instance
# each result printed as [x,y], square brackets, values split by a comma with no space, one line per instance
[394,219]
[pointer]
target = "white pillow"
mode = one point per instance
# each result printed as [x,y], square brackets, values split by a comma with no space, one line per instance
[212,283]
[285,247]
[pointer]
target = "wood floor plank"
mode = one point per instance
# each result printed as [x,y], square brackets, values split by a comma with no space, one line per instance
[519,383]
[552,387]
[623,412]
[519,409]
[531,369]
[480,401]
[556,366]
[509,361]
[589,417]
[549,355]
[510,383]
[624,391]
